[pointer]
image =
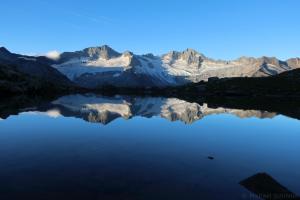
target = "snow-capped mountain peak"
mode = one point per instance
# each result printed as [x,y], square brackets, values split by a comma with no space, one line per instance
[189,56]
[104,52]
[100,66]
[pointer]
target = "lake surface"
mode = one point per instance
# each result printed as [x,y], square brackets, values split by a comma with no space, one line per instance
[88,146]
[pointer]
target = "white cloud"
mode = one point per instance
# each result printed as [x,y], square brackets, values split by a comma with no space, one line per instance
[54,113]
[55,55]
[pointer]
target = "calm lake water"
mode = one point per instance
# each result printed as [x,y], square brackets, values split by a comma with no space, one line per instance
[95,147]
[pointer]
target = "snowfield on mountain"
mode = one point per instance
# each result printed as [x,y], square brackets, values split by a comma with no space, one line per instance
[99,66]
[102,66]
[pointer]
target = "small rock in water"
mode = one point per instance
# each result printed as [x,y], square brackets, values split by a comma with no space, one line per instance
[210,157]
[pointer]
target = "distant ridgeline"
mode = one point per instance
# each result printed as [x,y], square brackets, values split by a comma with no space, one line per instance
[102,68]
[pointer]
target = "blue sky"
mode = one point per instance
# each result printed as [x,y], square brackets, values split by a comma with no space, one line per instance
[224,29]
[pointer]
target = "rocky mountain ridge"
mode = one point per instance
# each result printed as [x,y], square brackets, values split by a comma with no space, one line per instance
[102,66]
[98,66]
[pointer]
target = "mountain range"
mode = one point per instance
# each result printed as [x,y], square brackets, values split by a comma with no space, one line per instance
[103,66]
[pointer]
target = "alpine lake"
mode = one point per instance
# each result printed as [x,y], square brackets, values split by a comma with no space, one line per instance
[91,146]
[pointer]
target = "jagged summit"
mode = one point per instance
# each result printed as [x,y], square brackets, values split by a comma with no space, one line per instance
[186,52]
[104,52]
[92,53]
[190,56]
[190,51]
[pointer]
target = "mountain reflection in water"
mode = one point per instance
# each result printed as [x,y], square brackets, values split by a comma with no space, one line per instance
[104,109]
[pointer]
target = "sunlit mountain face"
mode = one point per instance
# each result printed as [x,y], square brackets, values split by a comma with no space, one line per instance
[100,66]
[96,66]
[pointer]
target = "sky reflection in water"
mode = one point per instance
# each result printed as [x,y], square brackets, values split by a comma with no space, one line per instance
[144,158]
